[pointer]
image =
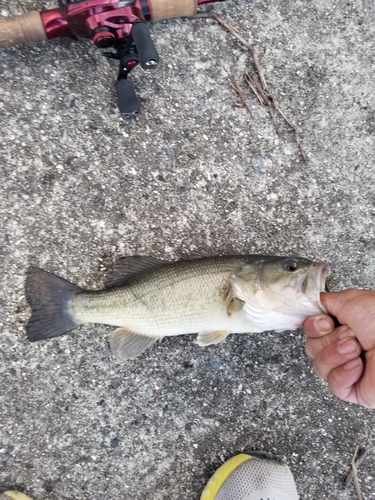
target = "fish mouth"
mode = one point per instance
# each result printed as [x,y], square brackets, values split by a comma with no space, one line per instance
[318,274]
[314,284]
[313,281]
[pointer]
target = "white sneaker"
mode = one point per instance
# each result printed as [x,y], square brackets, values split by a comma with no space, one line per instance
[247,477]
[13,495]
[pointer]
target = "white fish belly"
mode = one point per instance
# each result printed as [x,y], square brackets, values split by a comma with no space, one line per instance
[185,322]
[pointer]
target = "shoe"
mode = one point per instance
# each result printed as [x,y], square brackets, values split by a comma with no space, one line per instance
[13,495]
[251,477]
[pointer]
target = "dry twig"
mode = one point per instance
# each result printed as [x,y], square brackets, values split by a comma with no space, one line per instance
[254,88]
[253,81]
[217,18]
[359,456]
[237,88]
[260,89]
[297,136]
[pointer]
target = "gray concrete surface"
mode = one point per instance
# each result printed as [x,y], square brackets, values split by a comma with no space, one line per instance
[80,187]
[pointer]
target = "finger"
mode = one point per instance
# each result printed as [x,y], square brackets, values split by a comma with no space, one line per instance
[342,380]
[335,302]
[336,355]
[316,326]
[366,385]
[355,308]
[313,346]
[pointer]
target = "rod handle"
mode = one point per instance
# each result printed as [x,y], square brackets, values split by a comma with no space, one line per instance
[26,28]
[167,9]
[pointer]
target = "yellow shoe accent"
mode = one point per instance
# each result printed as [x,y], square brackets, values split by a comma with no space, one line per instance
[15,495]
[221,475]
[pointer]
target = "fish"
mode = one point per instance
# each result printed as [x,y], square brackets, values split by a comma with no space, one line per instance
[148,299]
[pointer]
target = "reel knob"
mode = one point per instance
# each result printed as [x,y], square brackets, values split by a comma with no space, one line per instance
[103,38]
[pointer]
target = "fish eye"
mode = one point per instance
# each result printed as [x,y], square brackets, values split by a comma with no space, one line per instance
[290,266]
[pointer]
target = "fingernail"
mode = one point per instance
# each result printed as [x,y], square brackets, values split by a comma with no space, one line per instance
[347,346]
[346,333]
[322,326]
[353,364]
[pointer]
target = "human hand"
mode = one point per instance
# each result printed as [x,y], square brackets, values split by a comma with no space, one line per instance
[336,351]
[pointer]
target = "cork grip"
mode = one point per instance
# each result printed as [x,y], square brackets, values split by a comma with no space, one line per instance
[165,9]
[26,28]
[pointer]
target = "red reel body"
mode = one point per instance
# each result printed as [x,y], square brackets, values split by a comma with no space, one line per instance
[87,17]
[117,25]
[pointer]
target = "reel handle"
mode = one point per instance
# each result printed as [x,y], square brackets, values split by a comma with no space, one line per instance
[147,53]
[127,101]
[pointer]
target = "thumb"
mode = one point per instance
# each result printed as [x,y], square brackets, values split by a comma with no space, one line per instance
[355,308]
[337,302]
[365,386]
[333,302]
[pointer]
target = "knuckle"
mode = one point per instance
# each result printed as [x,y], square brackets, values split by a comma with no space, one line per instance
[318,367]
[334,380]
[326,357]
[325,342]
[312,348]
[325,362]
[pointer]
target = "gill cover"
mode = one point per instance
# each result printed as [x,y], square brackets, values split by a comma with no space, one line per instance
[280,293]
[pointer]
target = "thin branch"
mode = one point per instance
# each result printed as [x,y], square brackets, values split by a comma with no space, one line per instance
[297,136]
[254,88]
[355,476]
[258,68]
[359,456]
[267,102]
[259,89]
[236,87]
[249,47]
[213,15]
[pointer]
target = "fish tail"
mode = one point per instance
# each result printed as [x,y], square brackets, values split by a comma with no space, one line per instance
[49,297]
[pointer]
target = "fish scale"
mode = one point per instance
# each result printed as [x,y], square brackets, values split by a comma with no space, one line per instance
[186,297]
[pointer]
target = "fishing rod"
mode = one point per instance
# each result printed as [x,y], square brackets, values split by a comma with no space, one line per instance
[117,25]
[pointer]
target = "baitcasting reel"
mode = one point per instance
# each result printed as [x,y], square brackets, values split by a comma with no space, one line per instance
[118,25]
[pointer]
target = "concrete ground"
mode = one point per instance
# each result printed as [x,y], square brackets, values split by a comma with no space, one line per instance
[82,186]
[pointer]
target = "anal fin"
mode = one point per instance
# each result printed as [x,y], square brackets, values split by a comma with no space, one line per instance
[211,337]
[128,345]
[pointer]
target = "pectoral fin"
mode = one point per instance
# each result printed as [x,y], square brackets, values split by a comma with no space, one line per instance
[235,305]
[127,345]
[211,337]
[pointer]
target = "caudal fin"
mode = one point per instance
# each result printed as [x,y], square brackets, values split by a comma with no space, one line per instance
[48,297]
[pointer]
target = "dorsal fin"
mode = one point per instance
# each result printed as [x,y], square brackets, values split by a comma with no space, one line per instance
[202,254]
[128,267]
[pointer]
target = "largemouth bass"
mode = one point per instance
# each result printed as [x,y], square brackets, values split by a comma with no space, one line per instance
[150,299]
